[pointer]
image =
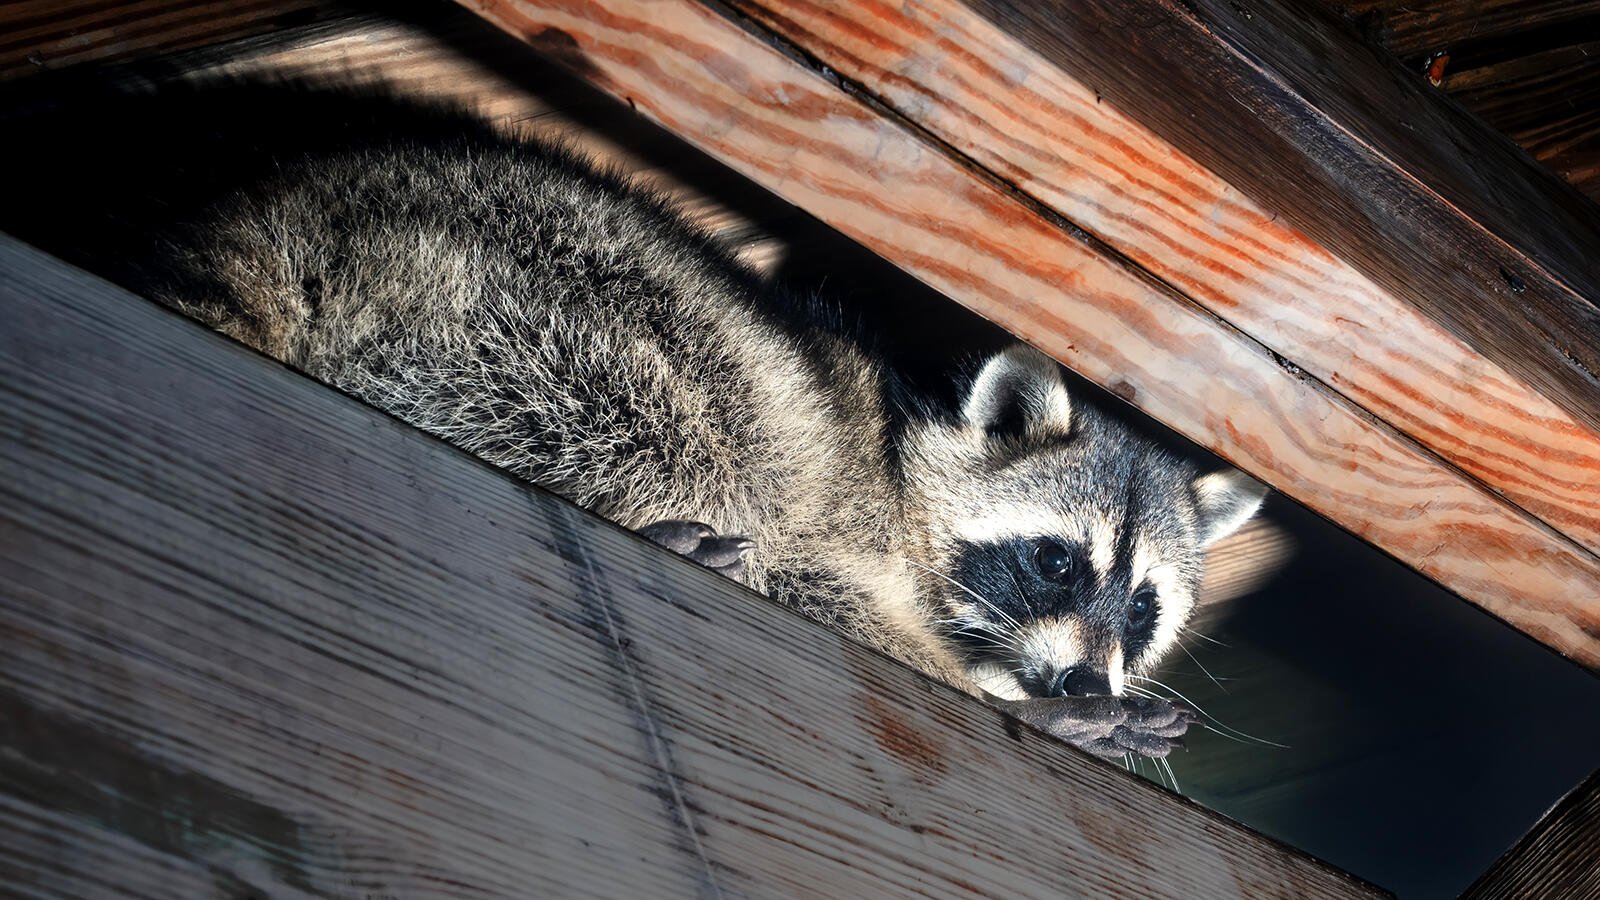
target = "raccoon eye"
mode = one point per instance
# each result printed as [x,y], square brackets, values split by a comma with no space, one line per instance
[1142,607]
[1053,560]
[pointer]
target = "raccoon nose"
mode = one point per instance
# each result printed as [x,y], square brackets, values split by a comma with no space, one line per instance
[1081,681]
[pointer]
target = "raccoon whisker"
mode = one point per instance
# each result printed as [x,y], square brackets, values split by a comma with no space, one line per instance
[980,598]
[977,596]
[1242,736]
[1153,768]
[1141,692]
[982,631]
[1174,691]
[1171,775]
[1203,637]
[1022,592]
[1201,665]
[993,641]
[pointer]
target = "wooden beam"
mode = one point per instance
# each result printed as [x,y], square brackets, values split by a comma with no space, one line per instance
[1560,857]
[259,639]
[1416,30]
[788,125]
[1051,138]
[1546,101]
[1287,104]
[39,35]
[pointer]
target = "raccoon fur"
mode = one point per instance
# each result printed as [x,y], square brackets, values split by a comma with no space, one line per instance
[566,325]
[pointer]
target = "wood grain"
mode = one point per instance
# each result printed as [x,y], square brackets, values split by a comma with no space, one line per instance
[1417,28]
[37,35]
[1527,67]
[1560,857]
[1549,102]
[259,639]
[792,130]
[1288,106]
[970,85]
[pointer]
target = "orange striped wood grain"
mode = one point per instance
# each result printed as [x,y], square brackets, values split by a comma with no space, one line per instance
[952,72]
[791,129]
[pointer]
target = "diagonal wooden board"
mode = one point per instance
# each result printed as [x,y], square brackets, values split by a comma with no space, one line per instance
[943,67]
[257,638]
[725,87]
[40,35]
[1288,104]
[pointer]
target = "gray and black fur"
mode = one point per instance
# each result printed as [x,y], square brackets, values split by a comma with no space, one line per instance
[574,329]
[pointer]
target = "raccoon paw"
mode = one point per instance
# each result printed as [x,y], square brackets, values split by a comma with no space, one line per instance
[700,542]
[1109,727]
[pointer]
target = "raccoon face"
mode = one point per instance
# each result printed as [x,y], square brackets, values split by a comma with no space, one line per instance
[1064,550]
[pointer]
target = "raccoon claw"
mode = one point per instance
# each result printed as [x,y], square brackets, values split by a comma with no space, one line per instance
[1077,720]
[1109,727]
[1143,742]
[678,535]
[1163,718]
[1122,742]
[701,543]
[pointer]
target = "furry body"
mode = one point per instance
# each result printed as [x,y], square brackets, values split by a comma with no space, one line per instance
[573,329]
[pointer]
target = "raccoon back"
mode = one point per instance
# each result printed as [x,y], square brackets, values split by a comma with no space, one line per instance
[503,294]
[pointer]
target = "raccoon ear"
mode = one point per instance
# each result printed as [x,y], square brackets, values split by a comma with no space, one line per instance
[1224,501]
[1018,390]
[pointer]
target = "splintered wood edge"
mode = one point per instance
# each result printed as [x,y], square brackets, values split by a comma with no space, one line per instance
[790,128]
[351,659]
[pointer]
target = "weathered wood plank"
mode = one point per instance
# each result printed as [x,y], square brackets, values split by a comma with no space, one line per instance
[51,34]
[792,130]
[948,70]
[1527,67]
[1418,28]
[1549,102]
[1288,106]
[1560,857]
[258,636]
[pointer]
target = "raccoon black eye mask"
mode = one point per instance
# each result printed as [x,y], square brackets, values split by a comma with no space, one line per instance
[575,329]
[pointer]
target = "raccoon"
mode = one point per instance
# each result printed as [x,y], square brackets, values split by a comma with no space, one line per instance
[563,323]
